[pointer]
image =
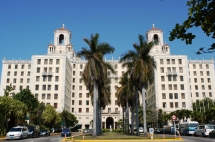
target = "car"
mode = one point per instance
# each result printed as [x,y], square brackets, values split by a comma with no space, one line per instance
[204,130]
[88,131]
[18,132]
[157,131]
[33,131]
[212,134]
[66,132]
[44,132]
[141,129]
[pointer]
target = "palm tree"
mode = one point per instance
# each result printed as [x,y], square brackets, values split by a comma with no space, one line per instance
[95,72]
[143,68]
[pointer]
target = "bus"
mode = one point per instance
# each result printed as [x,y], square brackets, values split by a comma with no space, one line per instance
[188,128]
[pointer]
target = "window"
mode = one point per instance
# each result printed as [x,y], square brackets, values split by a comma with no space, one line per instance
[202,80]
[115,66]
[174,78]
[81,66]
[163,96]
[210,94]
[28,80]
[80,102]
[170,96]
[207,66]
[49,87]
[208,73]
[36,87]
[73,73]
[194,66]
[73,87]
[209,87]
[200,66]
[168,61]
[57,61]
[73,95]
[181,78]
[183,104]
[49,78]
[80,110]
[45,69]
[182,86]
[170,86]
[14,80]
[179,61]
[15,73]
[182,96]
[56,87]
[36,96]
[176,95]
[195,80]
[73,80]
[45,61]
[55,96]
[9,67]
[162,78]
[81,73]
[50,61]
[171,104]
[203,94]
[168,69]
[162,69]
[87,95]
[21,80]
[8,73]
[161,61]
[209,80]
[80,95]
[197,94]
[180,70]
[203,87]
[8,80]
[50,69]
[38,61]
[176,104]
[56,78]
[196,87]
[80,87]
[173,61]
[194,73]
[55,105]
[74,66]
[43,96]
[48,96]
[20,87]
[87,110]
[37,78]
[72,109]
[44,78]
[73,102]
[38,69]
[29,73]
[29,66]
[163,86]
[164,104]
[175,86]
[44,87]
[57,70]
[16,66]
[169,78]
[87,102]
[14,87]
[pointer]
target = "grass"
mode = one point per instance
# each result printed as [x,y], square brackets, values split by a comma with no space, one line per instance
[119,136]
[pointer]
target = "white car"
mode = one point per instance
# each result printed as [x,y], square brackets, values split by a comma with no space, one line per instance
[204,130]
[141,129]
[18,132]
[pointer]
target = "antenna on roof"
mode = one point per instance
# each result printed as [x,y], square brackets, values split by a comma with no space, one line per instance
[63,25]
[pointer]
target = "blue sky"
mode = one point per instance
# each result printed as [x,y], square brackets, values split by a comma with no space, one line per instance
[27,26]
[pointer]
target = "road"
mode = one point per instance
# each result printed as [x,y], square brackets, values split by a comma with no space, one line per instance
[197,139]
[52,138]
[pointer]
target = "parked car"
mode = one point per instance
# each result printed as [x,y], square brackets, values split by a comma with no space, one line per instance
[157,131]
[18,132]
[66,132]
[212,134]
[141,130]
[88,131]
[204,130]
[33,131]
[44,132]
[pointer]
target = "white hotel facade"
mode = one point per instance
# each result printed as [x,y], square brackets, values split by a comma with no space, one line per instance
[55,79]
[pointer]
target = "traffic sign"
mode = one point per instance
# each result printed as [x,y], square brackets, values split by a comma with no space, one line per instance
[151,130]
[173,117]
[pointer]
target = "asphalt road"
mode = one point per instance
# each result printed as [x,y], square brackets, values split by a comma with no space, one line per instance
[197,139]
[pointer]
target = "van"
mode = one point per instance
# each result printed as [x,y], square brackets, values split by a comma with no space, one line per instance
[204,130]
[18,132]
[33,131]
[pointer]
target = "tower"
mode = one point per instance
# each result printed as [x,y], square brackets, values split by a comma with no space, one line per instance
[156,35]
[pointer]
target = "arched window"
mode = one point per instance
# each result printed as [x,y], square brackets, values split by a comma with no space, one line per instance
[61,39]
[155,39]
[166,49]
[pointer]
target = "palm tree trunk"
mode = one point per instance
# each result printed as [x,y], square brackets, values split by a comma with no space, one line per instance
[132,124]
[137,116]
[123,119]
[127,116]
[144,110]
[95,103]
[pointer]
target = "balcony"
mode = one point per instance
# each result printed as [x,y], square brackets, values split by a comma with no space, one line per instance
[111,112]
[47,74]
[171,73]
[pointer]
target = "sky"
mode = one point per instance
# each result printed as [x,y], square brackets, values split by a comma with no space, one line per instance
[27,26]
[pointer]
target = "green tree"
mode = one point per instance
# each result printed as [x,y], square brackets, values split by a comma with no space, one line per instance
[50,117]
[36,115]
[95,73]
[201,14]
[68,118]
[143,68]
[8,90]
